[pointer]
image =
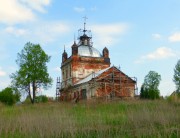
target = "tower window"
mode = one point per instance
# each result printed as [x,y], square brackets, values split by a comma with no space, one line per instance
[70,71]
[85,42]
[63,75]
[66,74]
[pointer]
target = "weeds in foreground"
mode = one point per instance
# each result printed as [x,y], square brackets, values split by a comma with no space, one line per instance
[91,119]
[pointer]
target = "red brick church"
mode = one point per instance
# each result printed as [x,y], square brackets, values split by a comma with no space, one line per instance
[87,73]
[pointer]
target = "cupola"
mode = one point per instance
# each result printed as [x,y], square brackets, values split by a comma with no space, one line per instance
[105,52]
[74,48]
[64,55]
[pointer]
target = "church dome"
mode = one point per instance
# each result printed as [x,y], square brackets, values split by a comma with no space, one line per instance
[89,51]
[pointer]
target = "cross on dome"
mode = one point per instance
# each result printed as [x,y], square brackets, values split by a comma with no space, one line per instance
[85,18]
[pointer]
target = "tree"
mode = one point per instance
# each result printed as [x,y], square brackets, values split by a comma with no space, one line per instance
[9,96]
[32,73]
[177,76]
[143,93]
[149,89]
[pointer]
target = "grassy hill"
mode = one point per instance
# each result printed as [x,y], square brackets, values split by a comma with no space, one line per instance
[91,119]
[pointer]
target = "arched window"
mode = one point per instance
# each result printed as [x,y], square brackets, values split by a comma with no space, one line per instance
[66,73]
[63,75]
[70,71]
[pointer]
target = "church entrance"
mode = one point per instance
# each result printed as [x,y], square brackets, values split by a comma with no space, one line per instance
[84,96]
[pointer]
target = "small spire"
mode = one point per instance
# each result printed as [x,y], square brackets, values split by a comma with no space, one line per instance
[64,49]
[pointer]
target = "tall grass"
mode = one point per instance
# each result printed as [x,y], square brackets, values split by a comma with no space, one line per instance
[91,119]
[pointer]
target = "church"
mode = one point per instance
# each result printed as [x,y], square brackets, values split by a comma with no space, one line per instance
[88,73]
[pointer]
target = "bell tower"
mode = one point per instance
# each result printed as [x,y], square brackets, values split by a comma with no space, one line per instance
[84,59]
[85,39]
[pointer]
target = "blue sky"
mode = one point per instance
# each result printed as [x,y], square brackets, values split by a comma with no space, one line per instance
[140,35]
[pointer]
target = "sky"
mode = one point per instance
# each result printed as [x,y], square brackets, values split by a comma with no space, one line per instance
[141,35]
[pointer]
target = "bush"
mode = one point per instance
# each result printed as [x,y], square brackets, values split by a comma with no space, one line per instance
[149,89]
[149,93]
[8,96]
[174,97]
[27,100]
[42,98]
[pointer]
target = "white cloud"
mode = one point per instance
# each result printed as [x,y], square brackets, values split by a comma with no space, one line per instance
[18,11]
[40,31]
[79,9]
[37,4]
[175,37]
[15,31]
[156,36]
[45,32]
[2,73]
[57,69]
[108,34]
[160,53]
[12,11]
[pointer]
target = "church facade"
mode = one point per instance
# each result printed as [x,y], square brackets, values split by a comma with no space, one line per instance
[87,73]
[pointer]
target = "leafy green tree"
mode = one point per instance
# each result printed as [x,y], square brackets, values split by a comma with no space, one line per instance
[9,96]
[143,93]
[16,93]
[32,73]
[149,89]
[177,76]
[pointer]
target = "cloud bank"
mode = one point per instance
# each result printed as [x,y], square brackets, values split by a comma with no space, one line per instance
[2,73]
[108,34]
[159,53]
[175,37]
[18,11]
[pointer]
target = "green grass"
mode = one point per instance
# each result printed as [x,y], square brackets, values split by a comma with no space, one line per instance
[91,119]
